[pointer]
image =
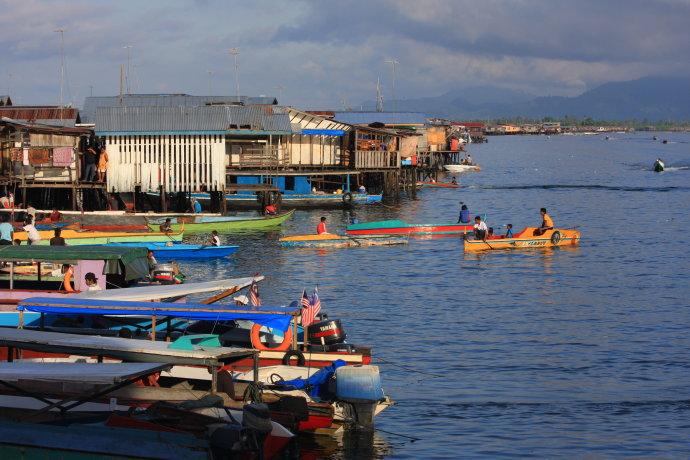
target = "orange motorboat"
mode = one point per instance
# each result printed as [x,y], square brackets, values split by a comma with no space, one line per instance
[528,238]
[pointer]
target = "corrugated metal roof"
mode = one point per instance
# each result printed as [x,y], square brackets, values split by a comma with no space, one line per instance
[197,119]
[387,118]
[88,113]
[65,116]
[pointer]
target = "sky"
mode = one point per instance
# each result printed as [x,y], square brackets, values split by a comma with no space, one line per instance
[321,54]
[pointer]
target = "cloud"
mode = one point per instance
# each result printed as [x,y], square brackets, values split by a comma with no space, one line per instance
[325,51]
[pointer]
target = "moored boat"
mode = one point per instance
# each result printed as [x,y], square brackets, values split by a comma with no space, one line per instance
[225,224]
[182,251]
[398,227]
[75,237]
[526,239]
[437,184]
[458,168]
[329,240]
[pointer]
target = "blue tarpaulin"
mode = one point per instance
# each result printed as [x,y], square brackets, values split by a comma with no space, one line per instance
[273,317]
[315,383]
[324,132]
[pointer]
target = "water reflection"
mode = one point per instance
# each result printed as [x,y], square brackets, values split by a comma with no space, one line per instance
[346,445]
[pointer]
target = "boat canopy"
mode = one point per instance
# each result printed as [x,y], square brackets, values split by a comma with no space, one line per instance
[118,260]
[273,317]
[93,373]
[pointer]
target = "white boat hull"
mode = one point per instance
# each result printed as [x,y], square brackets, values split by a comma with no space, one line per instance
[461,168]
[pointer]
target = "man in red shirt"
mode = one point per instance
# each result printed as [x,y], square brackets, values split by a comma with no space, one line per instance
[321,228]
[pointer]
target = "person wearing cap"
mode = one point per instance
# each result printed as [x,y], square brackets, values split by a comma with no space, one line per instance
[241,300]
[92,282]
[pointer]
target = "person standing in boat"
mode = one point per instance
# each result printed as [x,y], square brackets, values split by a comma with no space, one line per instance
[509,231]
[546,223]
[480,229]
[464,217]
[196,206]
[321,228]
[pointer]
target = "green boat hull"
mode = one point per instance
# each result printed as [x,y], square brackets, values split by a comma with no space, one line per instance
[227,226]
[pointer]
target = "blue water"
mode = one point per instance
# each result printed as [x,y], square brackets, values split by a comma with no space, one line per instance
[578,352]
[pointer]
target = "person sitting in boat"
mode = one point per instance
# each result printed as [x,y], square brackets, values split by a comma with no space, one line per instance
[57,240]
[270,210]
[67,275]
[464,217]
[509,231]
[480,229]
[6,231]
[32,234]
[92,282]
[321,228]
[454,181]
[469,159]
[546,223]
[362,189]
[215,239]
[55,216]
[490,233]
[166,227]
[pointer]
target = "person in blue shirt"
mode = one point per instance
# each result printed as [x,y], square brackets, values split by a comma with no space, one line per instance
[6,231]
[509,231]
[196,206]
[464,217]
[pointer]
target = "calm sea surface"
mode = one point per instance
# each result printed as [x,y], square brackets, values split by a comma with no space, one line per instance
[580,352]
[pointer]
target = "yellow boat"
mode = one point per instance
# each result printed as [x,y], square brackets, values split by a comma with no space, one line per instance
[331,240]
[74,237]
[526,239]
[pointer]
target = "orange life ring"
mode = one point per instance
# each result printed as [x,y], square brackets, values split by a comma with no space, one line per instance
[259,345]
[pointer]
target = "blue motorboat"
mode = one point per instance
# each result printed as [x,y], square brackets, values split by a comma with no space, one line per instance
[183,251]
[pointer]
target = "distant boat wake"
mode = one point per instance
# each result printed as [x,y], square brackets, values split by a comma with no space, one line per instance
[580,187]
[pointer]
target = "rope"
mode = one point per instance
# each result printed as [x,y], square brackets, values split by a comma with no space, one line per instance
[409,368]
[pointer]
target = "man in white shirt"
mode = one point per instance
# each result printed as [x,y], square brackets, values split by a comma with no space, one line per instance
[480,229]
[32,234]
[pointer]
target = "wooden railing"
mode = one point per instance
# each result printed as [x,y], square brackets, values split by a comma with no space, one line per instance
[262,158]
[376,159]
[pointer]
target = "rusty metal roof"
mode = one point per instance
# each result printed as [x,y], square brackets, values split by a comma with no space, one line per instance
[91,104]
[50,115]
[212,118]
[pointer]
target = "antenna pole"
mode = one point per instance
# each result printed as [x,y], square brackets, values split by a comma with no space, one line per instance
[234,52]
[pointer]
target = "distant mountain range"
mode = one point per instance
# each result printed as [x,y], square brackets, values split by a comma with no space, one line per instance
[650,98]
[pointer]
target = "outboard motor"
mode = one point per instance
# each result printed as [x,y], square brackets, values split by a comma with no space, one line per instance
[329,332]
[164,273]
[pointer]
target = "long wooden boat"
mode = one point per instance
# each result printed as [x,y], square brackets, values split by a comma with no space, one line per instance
[298,200]
[329,240]
[430,184]
[182,251]
[224,224]
[526,239]
[75,237]
[398,227]
[458,168]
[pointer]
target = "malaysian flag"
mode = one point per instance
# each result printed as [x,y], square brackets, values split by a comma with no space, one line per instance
[310,307]
[254,298]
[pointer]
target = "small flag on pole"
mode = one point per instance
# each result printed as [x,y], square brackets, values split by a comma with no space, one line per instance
[310,307]
[254,298]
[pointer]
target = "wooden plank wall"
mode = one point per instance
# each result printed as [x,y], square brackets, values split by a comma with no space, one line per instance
[179,162]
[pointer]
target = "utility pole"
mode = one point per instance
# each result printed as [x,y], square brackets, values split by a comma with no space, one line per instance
[234,52]
[394,62]
[128,48]
[379,96]
[91,90]
[62,68]
[210,78]
[280,89]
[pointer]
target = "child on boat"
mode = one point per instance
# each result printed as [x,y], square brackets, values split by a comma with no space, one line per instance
[215,240]
[509,231]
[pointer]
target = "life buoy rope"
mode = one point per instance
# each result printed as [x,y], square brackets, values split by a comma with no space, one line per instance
[259,345]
